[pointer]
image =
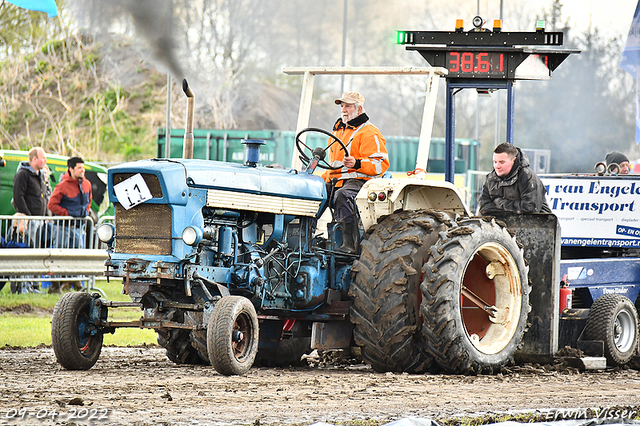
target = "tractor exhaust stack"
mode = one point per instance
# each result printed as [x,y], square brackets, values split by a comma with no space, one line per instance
[187,146]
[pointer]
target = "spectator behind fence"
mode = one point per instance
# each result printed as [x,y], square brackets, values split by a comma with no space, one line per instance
[31,194]
[71,197]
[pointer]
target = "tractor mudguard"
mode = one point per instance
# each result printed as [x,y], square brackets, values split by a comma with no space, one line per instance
[540,235]
[396,194]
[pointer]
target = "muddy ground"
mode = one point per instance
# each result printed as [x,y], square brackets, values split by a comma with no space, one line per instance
[140,386]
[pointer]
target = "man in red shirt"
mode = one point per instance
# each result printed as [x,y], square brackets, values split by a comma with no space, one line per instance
[71,197]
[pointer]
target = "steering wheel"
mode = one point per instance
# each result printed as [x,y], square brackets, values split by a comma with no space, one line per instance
[318,154]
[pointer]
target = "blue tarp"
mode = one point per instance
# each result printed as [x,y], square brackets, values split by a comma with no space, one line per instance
[11,244]
[48,6]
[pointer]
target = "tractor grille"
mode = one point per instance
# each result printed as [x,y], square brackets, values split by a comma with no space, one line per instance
[261,203]
[152,182]
[144,229]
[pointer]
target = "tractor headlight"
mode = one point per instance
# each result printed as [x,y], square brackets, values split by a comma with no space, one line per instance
[106,232]
[192,235]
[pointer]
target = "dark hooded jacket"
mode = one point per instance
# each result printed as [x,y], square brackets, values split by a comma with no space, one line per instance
[521,191]
[30,191]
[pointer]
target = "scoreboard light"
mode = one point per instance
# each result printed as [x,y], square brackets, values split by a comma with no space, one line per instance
[479,36]
[402,37]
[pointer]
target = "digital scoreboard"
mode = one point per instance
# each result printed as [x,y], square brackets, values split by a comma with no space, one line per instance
[476,64]
[489,55]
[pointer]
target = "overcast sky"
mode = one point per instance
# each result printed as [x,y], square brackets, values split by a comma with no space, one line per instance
[608,15]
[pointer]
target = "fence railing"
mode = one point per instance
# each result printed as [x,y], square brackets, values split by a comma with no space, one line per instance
[49,249]
[19,231]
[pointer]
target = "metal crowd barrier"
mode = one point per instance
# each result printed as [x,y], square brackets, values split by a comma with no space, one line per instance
[50,248]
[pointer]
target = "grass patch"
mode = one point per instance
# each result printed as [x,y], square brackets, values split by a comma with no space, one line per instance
[29,331]
[33,327]
[490,419]
[43,301]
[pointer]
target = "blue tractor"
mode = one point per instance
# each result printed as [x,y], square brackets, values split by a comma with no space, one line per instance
[232,266]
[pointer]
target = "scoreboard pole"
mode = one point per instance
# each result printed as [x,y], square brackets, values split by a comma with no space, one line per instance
[455,86]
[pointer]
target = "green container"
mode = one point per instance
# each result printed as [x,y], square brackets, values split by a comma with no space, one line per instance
[219,145]
[225,145]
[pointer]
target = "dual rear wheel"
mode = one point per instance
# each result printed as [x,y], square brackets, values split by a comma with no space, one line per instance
[431,292]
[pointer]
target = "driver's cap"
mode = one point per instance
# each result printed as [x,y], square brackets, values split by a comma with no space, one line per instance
[351,98]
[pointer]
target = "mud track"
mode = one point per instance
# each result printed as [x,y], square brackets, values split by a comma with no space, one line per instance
[140,386]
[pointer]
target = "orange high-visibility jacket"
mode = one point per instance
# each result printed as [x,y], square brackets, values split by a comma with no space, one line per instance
[365,143]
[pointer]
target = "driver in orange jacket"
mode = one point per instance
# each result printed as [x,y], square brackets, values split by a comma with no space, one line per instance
[366,157]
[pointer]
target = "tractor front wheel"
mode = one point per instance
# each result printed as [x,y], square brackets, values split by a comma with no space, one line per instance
[178,346]
[232,335]
[175,341]
[77,342]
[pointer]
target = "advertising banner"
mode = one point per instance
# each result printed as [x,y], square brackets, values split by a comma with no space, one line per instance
[596,211]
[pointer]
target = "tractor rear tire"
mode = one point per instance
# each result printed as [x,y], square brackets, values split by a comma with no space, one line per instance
[198,338]
[288,353]
[613,319]
[232,335]
[74,345]
[462,337]
[386,291]
[175,341]
[178,346]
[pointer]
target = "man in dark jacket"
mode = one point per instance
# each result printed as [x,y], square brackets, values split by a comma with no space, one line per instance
[31,193]
[29,185]
[71,197]
[30,196]
[512,185]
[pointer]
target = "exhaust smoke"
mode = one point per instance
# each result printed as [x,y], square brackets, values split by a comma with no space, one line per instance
[152,22]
